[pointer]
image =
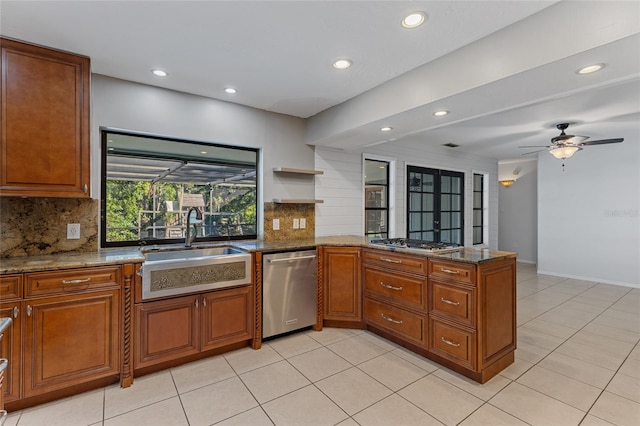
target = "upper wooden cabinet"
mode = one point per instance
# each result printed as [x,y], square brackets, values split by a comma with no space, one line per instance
[44,144]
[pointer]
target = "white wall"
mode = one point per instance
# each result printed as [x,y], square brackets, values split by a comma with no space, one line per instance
[132,106]
[342,188]
[589,214]
[518,225]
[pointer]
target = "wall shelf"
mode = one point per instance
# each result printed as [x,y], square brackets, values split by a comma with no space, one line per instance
[297,171]
[296,201]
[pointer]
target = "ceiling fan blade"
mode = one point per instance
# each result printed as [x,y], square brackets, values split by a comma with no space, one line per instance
[533,152]
[601,142]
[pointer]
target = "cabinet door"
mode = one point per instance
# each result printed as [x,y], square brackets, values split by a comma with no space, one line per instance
[166,330]
[226,317]
[10,349]
[70,340]
[44,142]
[342,284]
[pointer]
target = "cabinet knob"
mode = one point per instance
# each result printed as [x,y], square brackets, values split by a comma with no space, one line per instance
[16,311]
[84,188]
[196,303]
[28,310]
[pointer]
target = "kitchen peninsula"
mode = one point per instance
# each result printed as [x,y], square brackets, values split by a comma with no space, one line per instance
[456,308]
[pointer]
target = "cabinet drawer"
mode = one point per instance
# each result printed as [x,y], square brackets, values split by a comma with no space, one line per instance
[397,261]
[401,288]
[453,343]
[460,272]
[10,287]
[71,281]
[404,324]
[453,302]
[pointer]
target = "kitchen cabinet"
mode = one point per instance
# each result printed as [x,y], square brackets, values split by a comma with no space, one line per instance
[341,285]
[395,294]
[65,333]
[170,329]
[44,141]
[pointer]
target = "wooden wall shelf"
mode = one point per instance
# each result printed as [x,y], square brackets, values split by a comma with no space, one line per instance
[297,171]
[296,201]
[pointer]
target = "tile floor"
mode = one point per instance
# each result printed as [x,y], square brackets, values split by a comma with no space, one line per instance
[577,363]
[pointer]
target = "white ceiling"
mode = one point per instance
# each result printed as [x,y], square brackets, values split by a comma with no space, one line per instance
[278,55]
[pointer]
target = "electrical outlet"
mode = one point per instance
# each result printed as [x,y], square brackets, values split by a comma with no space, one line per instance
[276,224]
[296,223]
[73,231]
[303,223]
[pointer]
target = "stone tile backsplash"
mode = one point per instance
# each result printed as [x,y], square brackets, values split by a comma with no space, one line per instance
[35,226]
[286,213]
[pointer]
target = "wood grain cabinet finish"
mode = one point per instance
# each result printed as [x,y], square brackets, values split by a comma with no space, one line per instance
[408,325]
[11,349]
[10,287]
[342,284]
[44,140]
[171,329]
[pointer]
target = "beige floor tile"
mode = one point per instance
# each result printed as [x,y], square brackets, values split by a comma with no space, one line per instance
[12,418]
[603,343]
[353,390]
[600,329]
[319,364]
[247,359]
[394,410]
[274,380]
[216,402]
[201,373]
[356,349]
[531,353]
[83,409]
[546,327]
[535,408]
[488,415]
[417,360]
[536,338]
[330,335]
[577,369]
[254,417]
[294,344]
[483,391]
[574,319]
[619,319]
[392,371]
[591,354]
[440,399]
[616,409]
[626,387]
[631,366]
[348,422]
[306,406]
[572,392]
[164,413]
[145,391]
[590,420]
[517,369]
[379,341]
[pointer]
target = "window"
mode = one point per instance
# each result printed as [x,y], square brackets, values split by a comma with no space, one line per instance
[435,210]
[376,190]
[149,184]
[478,209]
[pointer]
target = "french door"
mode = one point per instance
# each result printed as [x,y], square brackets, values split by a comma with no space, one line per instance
[435,206]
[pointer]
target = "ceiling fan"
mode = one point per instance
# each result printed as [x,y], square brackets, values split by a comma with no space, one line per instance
[564,146]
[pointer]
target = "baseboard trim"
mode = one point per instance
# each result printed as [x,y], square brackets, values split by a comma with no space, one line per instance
[592,279]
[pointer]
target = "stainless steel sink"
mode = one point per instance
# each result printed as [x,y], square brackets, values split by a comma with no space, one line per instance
[174,272]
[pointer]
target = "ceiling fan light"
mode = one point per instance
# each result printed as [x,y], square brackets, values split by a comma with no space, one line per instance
[563,152]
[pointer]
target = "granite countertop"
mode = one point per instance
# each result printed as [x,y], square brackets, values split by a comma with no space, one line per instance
[111,256]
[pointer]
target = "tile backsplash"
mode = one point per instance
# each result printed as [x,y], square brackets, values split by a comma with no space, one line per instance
[286,213]
[34,226]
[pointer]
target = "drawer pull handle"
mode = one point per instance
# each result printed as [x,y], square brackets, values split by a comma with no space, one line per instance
[386,259]
[390,319]
[449,302]
[450,343]
[390,287]
[86,280]
[16,311]
[449,271]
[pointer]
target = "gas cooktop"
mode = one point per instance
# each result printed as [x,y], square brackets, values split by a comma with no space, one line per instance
[430,246]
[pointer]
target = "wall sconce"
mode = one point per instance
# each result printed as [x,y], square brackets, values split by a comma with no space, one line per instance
[507,182]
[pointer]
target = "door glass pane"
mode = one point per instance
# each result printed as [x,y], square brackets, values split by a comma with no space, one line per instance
[477,183]
[427,183]
[456,236]
[477,198]
[445,184]
[445,202]
[428,236]
[477,217]
[427,200]
[456,185]
[456,220]
[414,201]
[427,223]
[456,203]
[445,222]
[445,236]
[414,222]
[477,234]
[414,181]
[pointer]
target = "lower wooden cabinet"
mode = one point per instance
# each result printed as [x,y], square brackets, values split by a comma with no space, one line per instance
[11,350]
[342,284]
[171,329]
[409,326]
[70,340]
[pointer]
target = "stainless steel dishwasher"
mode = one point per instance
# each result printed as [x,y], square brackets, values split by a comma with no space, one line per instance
[288,291]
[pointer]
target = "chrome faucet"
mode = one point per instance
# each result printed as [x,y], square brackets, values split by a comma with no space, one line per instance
[189,238]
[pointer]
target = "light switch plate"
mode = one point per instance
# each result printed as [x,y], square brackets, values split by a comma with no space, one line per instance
[276,224]
[73,231]
[296,223]
[303,223]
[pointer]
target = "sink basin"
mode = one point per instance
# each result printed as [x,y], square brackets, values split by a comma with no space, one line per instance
[175,272]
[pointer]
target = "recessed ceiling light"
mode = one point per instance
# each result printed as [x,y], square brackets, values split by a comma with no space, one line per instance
[203,152]
[159,73]
[230,90]
[590,69]
[386,129]
[440,113]
[413,20]
[342,64]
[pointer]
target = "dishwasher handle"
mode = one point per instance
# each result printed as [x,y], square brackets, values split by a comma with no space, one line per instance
[291,259]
